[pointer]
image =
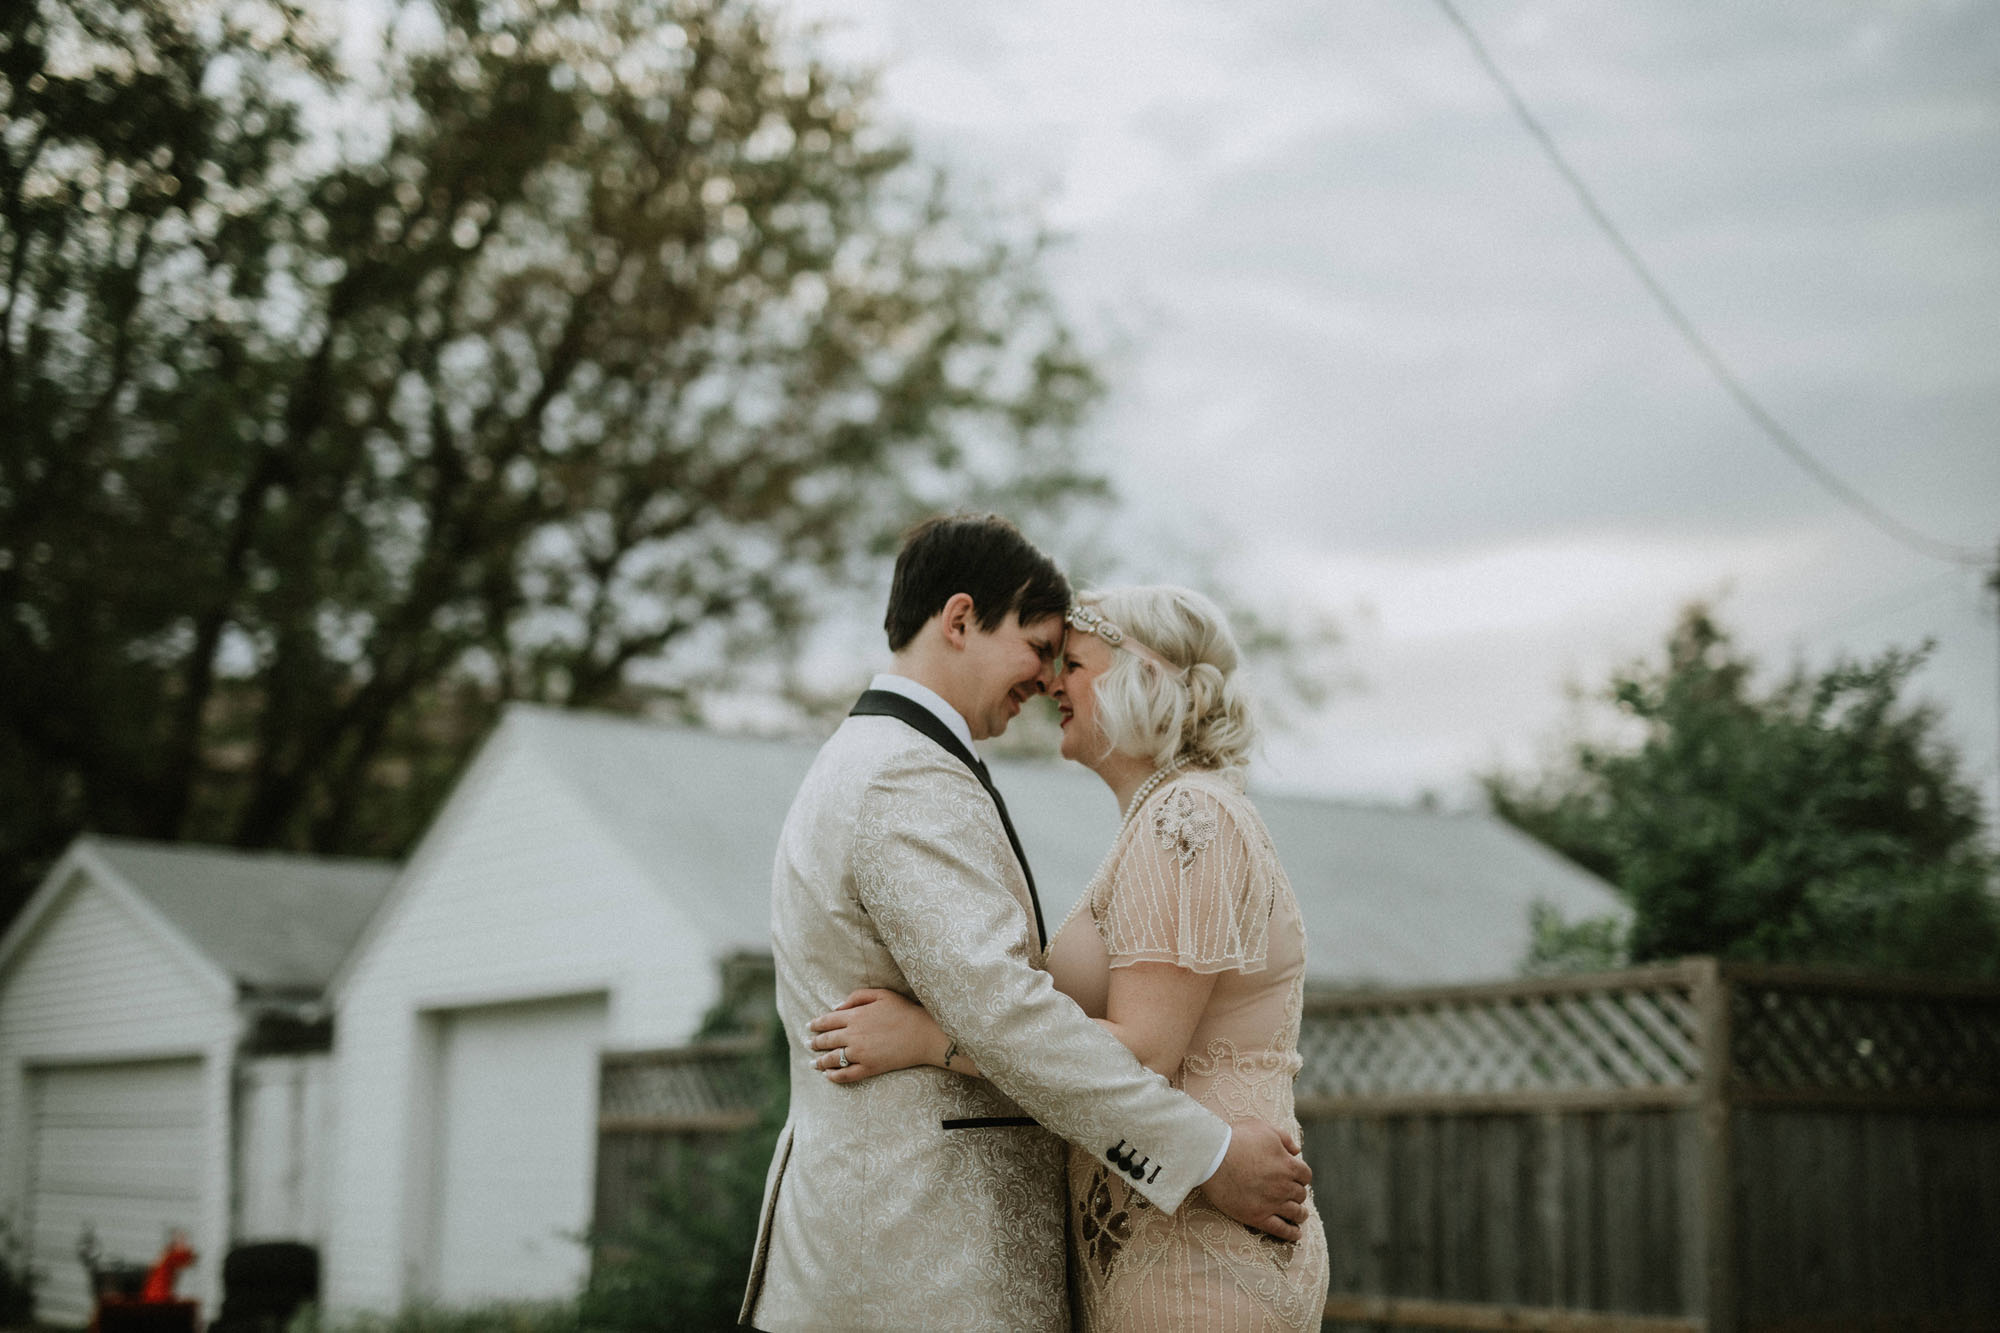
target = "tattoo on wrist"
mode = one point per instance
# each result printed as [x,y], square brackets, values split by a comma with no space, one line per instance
[949,1052]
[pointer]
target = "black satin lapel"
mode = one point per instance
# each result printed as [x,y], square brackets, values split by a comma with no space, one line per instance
[887,703]
[884,703]
[1014,841]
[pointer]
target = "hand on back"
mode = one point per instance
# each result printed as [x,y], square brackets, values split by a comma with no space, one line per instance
[1262,1180]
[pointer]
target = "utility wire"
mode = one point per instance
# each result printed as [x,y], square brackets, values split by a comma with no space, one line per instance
[1887,604]
[1773,430]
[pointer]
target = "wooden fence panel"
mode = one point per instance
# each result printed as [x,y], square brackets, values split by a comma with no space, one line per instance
[1507,1219]
[1578,1210]
[663,1116]
[633,1165]
[1868,1216]
[1865,1139]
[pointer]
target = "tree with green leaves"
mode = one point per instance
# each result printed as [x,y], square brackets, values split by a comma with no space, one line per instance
[563,351]
[1822,820]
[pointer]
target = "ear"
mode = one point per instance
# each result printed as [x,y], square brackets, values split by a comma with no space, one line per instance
[957,620]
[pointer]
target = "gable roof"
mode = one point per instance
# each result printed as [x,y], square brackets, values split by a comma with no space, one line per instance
[270,921]
[1389,896]
[677,796]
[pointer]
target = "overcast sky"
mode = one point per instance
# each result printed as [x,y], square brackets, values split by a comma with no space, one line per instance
[1377,359]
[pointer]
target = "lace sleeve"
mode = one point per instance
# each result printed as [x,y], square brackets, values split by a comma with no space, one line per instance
[1188,889]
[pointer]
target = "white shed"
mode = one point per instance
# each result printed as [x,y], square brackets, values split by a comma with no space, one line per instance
[135,990]
[588,875]
[575,893]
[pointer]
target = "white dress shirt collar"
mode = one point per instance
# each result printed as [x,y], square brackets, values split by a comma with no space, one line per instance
[931,700]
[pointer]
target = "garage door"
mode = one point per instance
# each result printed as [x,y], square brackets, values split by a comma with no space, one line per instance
[117,1149]
[517,1138]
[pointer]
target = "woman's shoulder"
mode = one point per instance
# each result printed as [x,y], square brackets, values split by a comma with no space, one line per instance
[1191,886]
[1216,790]
[1194,808]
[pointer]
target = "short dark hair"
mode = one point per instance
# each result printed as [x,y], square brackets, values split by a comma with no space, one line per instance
[981,555]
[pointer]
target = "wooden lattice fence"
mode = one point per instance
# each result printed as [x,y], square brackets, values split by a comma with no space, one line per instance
[663,1115]
[1690,1148]
[1698,1146]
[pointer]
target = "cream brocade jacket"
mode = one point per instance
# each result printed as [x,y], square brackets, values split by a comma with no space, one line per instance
[893,870]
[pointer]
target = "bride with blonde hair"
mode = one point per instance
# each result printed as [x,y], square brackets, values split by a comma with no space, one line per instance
[1186,945]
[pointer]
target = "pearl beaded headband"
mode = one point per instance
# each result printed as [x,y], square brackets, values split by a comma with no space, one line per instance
[1091,621]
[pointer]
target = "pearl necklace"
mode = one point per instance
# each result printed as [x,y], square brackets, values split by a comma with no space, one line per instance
[1146,789]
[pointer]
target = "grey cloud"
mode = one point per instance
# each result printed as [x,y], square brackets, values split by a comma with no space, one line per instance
[1367,319]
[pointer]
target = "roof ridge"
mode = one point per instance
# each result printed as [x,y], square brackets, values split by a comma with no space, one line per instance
[178,847]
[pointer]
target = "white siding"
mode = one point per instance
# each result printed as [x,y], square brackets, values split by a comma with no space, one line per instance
[97,982]
[514,895]
[284,1135]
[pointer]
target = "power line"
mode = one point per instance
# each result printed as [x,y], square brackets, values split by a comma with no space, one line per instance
[1772,429]
[1890,603]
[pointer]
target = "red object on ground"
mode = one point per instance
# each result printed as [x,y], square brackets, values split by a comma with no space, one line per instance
[153,1308]
[160,1280]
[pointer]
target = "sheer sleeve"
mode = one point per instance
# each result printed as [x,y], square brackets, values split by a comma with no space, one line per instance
[1189,888]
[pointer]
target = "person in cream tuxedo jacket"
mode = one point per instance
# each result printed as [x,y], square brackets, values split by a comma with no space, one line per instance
[922,1199]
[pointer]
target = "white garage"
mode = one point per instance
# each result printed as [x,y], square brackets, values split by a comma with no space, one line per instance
[116,1151]
[524,938]
[132,987]
[515,1147]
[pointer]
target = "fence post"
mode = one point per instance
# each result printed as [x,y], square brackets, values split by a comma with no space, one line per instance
[1717,1183]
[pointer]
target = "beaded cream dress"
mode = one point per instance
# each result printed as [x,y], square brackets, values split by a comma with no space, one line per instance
[1192,880]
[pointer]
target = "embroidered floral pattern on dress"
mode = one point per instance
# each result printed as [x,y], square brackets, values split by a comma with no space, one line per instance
[1185,825]
[1279,1252]
[1102,1226]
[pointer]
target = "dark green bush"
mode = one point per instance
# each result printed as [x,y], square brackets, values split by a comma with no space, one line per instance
[518,1317]
[17,1279]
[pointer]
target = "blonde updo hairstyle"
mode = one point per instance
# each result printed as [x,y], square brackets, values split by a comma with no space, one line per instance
[1204,719]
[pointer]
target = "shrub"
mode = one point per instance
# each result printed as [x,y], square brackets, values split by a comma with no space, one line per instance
[17,1278]
[501,1317]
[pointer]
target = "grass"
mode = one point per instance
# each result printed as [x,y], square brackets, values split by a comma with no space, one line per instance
[518,1317]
